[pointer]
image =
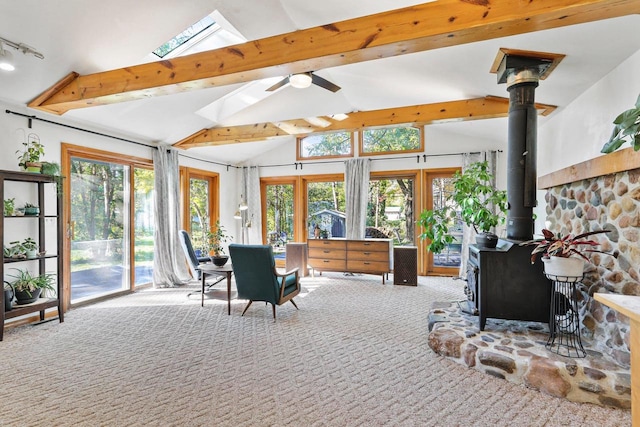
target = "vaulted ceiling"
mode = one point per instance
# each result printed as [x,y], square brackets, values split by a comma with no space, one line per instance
[427,63]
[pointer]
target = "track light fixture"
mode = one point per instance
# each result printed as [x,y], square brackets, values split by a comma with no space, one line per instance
[6,58]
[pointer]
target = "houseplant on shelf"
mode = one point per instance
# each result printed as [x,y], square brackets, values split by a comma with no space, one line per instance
[31,247]
[564,256]
[31,209]
[28,288]
[626,126]
[29,157]
[470,200]
[9,206]
[214,241]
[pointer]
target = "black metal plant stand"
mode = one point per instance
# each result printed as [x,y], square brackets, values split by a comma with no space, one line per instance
[564,322]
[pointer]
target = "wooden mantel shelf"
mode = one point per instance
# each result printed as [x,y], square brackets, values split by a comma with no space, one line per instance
[618,161]
[630,307]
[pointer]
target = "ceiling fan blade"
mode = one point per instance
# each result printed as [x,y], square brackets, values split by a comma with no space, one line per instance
[279,84]
[323,83]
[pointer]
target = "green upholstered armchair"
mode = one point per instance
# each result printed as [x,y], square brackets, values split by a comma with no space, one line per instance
[257,279]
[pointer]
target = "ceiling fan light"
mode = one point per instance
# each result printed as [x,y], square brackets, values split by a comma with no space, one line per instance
[6,60]
[300,81]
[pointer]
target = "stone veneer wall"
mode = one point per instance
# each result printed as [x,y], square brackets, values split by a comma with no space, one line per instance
[608,202]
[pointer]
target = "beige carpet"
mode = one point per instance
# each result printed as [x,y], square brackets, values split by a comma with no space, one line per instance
[355,354]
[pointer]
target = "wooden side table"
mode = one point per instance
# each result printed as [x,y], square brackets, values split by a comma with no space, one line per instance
[630,307]
[296,257]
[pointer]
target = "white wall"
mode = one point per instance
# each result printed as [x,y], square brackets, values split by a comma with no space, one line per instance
[577,132]
[14,130]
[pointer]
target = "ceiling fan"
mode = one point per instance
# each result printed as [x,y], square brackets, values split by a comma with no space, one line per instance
[304,80]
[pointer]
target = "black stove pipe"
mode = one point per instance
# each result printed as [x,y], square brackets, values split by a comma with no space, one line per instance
[521,155]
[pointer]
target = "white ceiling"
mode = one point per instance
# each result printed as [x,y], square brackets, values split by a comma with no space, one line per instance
[89,36]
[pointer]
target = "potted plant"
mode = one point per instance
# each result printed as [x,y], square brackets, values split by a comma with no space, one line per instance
[31,247]
[473,194]
[626,126]
[564,256]
[215,240]
[9,206]
[31,209]
[15,251]
[29,157]
[28,287]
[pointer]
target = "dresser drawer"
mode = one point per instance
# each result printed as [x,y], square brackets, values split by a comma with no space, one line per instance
[369,246]
[328,264]
[327,244]
[369,255]
[327,253]
[360,266]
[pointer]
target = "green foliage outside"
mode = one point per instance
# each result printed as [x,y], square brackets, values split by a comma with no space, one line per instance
[326,144]
[279,214]
[199,211]
[390,139]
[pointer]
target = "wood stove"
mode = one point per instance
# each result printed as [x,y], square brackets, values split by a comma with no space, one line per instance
[505,285]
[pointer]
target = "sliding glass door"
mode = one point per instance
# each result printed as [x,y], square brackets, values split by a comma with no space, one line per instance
[100,224]
[108,212]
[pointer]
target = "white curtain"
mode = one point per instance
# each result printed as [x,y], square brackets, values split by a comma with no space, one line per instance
[169,267]
[252,219]
[468,233]
[356,178]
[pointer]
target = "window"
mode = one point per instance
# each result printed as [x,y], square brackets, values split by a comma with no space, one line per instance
[402,139]
[193,32]
[390,210]
[279,219]
[200,208]
[438,186]
[326,206]
[334,144]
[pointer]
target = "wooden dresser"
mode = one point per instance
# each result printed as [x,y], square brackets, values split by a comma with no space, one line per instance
[370,256]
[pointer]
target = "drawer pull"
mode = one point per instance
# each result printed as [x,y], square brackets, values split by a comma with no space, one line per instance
[366,243]
[326,252]
[367,263]
[326,261]
[367,253]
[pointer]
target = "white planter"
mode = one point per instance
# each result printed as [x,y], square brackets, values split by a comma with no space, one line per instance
[563,269]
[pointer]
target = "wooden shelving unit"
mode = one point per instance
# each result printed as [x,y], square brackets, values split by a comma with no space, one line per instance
[6,178]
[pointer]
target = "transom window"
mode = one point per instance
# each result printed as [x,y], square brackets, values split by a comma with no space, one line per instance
[398,139]
[323,145]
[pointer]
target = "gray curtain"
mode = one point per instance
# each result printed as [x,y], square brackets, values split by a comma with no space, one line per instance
[356,179]
[169,266]
[252,219]
[468,233]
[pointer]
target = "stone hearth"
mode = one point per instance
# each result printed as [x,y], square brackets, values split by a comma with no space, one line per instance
[515,351]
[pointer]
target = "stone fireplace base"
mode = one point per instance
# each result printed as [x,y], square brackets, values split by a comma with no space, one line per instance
[515,351]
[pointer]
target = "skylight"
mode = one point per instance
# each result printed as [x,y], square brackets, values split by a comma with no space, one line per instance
[191,33]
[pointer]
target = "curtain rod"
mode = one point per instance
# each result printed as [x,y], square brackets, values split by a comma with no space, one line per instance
[296,164]
[417,157]
[31,118]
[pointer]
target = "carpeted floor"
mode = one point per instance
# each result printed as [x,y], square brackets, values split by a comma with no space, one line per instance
[355,354]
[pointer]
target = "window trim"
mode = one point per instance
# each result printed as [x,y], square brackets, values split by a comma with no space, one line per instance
[186,174]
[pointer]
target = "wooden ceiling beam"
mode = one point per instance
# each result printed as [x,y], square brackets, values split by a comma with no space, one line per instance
[470,109]
[418,28]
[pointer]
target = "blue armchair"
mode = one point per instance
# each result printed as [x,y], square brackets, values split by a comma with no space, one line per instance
[257,279]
